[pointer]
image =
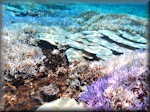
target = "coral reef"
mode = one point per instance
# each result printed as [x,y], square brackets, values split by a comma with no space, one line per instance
[109,36]
[20,62]
[27,69]
[102,44]
[129,23]
[81,75]
[110,93]
[74,56]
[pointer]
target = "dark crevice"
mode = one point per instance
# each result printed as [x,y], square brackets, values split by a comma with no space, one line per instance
[119,44]
[45,45]
[116,53]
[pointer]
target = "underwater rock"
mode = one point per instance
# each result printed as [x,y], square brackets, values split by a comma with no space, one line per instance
[49,92]
[62,104]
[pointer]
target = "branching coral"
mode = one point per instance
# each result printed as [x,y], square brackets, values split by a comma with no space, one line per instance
[19,58]
[80,76]
[138,57]
[83,74]
[112,92]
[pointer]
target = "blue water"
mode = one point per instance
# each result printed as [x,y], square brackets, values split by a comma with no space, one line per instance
[63,14]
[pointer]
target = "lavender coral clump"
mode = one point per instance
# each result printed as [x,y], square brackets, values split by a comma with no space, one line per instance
[124,89]
[94,96]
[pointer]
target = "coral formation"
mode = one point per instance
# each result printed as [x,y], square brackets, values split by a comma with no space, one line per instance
[129,23]
[110,93]
[56,54]
[81,75]
[20,62]
[62,104]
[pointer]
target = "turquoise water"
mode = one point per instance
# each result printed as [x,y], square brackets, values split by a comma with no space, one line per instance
[65,12]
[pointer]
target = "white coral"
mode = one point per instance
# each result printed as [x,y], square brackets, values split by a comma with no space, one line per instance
[62,104]
[18,56]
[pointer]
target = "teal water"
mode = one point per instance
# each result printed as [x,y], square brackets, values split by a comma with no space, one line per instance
[42,12]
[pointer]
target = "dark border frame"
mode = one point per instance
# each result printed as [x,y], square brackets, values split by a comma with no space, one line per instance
[65,1]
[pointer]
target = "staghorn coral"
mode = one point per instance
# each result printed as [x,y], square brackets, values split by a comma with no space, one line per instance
[110,93]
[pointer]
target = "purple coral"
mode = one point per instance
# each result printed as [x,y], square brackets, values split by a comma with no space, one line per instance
[124,89]
[94,96]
